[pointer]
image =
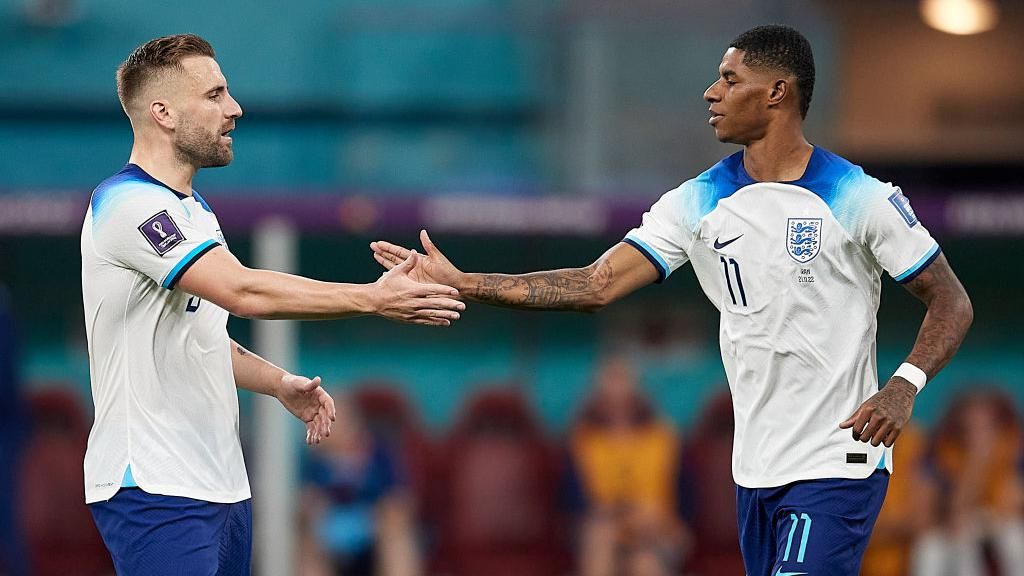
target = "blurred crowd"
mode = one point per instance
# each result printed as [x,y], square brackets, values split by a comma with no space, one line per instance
[622,492]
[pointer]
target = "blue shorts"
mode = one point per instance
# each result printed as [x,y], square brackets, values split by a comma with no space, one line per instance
[815,527]
[154,535]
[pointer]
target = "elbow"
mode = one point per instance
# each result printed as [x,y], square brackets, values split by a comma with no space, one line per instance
[596,302]
[966,312]
[245,306]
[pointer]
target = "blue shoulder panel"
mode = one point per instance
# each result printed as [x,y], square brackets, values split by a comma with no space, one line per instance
[720,181]
[829,176]
[202,201]
[111,188]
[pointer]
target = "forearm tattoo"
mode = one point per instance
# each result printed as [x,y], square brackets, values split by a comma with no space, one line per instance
[947,320]
[570,289]
[241,351]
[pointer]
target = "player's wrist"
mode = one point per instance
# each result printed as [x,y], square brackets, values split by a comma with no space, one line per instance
[460,281]
[912,375]
[368,298]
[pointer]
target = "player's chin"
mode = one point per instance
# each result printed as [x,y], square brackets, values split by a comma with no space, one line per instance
[223,159]
[724,136]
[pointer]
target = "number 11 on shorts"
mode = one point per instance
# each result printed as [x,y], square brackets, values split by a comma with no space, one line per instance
[803,537]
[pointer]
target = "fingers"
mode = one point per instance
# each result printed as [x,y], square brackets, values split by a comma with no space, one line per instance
[408,264]
[332,413]
[382,247]
[385,260]
[429,290]
[431,322]
[871,426]
[858,421]
[428,245]
[450,315]
[876,429]
[890,438]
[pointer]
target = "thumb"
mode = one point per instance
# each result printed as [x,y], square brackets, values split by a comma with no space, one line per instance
[309,385]
[848,423]
[428,245]
[408,264]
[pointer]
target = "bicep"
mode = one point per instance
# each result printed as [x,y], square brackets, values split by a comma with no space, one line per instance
[935,279]
[216,276]
[622,270]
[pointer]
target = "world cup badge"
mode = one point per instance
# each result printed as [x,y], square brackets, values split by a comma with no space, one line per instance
[803,238]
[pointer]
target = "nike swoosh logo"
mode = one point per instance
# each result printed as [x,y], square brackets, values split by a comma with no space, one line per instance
[781,573]
[719,246]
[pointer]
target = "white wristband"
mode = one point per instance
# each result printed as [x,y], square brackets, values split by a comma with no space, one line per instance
[912,374]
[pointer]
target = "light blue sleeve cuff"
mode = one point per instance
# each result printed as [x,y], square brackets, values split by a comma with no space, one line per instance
[188,260]
[919,266]
[651,254]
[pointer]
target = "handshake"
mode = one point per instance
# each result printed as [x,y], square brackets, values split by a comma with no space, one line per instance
[418,288]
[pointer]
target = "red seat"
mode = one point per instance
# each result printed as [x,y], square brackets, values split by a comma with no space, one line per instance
[707,467]
[59,531]
[388,413]
[497,491]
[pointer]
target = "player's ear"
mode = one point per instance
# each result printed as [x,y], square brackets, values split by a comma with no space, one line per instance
[160,111]
[778,92]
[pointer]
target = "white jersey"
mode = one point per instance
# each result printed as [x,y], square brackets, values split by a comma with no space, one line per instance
[159,358]
[794,268]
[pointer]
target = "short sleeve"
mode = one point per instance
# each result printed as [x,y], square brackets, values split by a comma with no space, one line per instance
[893,234]
[662,236]
[148,229]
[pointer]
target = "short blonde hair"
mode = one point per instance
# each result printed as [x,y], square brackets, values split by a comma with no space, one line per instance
[153,57]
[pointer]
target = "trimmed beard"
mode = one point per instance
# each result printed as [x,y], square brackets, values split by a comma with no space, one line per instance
[196,147]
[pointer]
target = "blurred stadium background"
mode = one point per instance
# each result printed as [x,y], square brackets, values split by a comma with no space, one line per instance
[524,134]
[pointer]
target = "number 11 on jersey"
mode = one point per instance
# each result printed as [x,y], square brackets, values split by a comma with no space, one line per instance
[729,279]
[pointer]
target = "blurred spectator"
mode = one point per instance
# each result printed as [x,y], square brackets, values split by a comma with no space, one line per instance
[497,492]
[901,520]
[708,492]
[388,415]
[356,516]
[976,512]
[12,555]
[623,476]
[59,530]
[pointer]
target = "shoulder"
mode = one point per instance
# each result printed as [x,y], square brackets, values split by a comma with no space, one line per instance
[837,180]
[698,196]
[851,194]
[125,190]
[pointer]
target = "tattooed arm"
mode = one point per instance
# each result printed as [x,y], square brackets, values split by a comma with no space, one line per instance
[949,316]
[618,272]
[881,418]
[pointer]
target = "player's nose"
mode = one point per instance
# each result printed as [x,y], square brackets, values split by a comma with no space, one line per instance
[234,110]
[711,94]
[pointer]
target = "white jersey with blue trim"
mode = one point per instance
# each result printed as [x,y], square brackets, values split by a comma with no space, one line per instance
[795,270]
[166,409]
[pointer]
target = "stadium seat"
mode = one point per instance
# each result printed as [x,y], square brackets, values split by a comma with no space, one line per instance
[59,531]
[497,492]
[709,501]
[389,415]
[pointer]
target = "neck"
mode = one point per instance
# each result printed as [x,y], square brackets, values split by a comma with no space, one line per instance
[780,156]
[163,165]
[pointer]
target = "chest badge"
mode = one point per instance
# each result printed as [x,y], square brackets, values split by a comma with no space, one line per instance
[803,238]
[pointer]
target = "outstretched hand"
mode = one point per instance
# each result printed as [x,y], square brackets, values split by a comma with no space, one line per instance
[434,267]
[405,293]
[308,402]
[881,418]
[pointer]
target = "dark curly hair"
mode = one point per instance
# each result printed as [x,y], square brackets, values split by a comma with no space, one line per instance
[781,48]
